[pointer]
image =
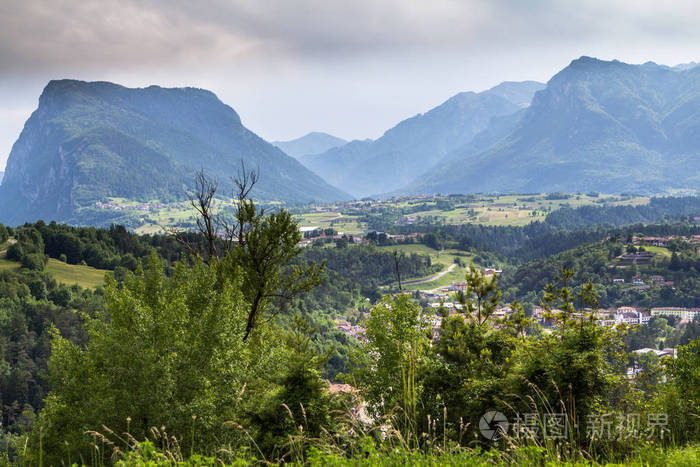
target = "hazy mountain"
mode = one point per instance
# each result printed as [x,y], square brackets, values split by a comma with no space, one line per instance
[605,126]
[686,66]
[416,144]
[88,141]
[312,143]
[2,174]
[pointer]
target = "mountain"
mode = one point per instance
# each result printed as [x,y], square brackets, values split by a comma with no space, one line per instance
[312,143]
[598,125]
[416,144]
[2,174]
[88,141]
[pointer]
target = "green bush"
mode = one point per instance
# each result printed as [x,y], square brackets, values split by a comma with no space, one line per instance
[34,262]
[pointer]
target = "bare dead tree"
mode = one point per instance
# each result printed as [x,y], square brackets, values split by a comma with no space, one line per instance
[398,271]
[261,247]
[207,220]
[243,182]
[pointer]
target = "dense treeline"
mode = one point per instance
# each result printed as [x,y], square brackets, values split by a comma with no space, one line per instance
[538,240]
[350,285]
[420,390]
[369,265]
[657,210]
[596,261]
[31,303]
[564,229]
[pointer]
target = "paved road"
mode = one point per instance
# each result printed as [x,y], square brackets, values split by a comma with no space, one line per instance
[431,278]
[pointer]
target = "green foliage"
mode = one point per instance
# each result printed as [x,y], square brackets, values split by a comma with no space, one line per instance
[386,365]
[681,397]
[266,246]
[167,351]
[577,367]
[28,309]
[301,409]
[34,262]
[481,296]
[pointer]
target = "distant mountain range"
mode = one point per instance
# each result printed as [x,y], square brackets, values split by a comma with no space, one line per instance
[312,143]
[598,125]
[2,174]
[89,141]
[414,145]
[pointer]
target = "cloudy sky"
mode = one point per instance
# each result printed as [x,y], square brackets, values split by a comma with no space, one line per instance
[352,68]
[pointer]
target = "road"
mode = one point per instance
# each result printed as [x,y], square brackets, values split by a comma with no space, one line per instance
[431,278]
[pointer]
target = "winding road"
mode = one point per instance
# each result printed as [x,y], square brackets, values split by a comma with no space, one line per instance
[431,278]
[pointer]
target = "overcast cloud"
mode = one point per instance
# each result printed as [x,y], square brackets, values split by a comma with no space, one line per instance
[352,68]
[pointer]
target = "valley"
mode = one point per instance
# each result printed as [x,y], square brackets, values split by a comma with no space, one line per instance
[177,290]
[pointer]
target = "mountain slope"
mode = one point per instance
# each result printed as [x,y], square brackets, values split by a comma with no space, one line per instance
[311,143]
[605,126]
[88,141]
[416,144]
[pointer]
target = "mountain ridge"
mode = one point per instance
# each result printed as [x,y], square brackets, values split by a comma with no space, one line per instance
[415,144]
[86,141]
[314,142]
[598,125]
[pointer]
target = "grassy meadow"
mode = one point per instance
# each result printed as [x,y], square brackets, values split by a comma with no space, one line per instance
[68,274]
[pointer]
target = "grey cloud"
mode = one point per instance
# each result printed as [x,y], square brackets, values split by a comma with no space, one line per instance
[132,33]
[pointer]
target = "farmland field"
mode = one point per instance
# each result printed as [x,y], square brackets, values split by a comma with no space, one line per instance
[69,274]
[354,217]
[76,274]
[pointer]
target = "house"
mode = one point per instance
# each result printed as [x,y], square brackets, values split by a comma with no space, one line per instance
[669,311]
[655,241]
[637,281]
[627,317]
[618,280]
[351,330]
[502,312]
[641,258]
[668,352]
[656,279]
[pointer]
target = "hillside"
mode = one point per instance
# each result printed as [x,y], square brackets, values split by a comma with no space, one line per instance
[414,145]
[90,141]
[604,126]
[625,271]
[312,143]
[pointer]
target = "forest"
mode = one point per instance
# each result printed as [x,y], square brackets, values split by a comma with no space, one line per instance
[201,350]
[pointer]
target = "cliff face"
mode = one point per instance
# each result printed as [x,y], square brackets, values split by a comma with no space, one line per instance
[89,141]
